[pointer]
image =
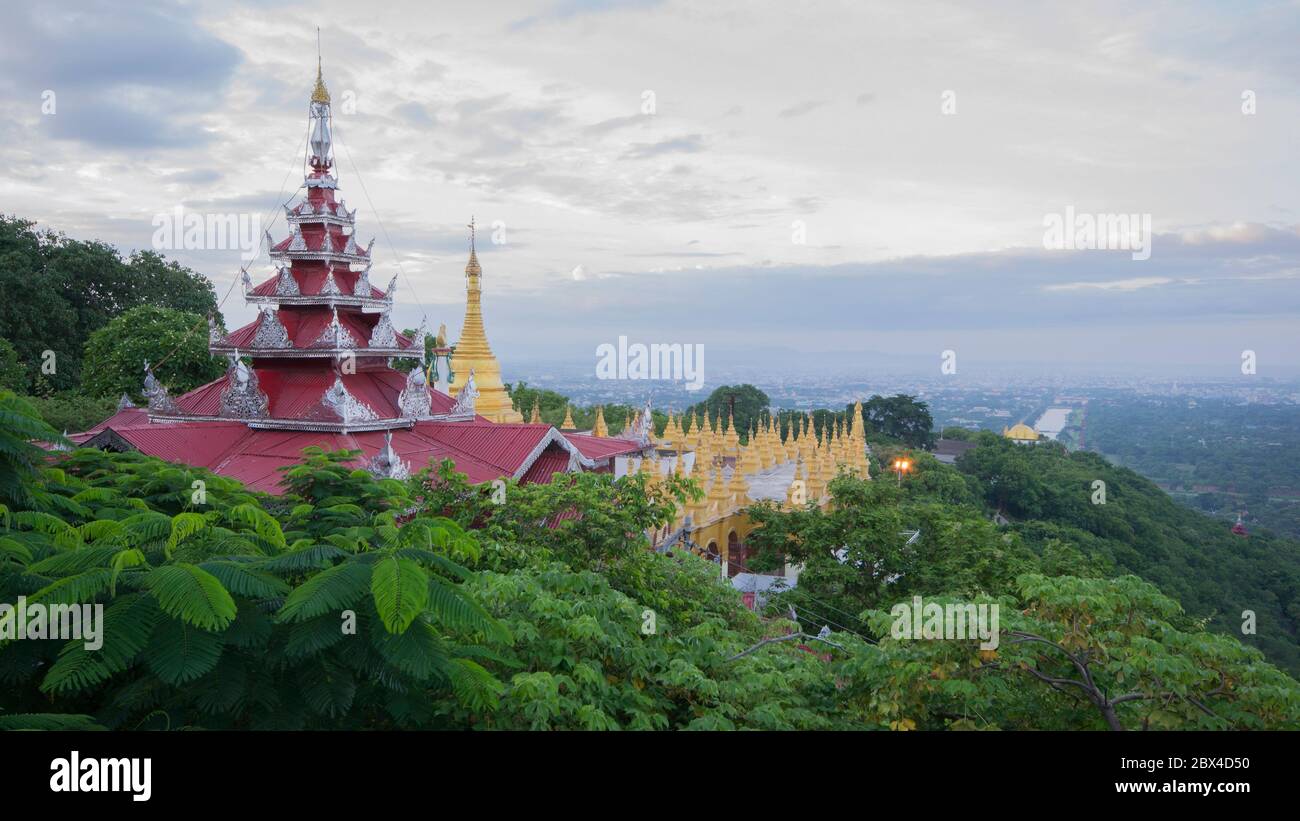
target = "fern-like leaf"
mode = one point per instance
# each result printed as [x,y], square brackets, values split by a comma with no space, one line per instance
[193,595]
[330,590]
[401,590]
[453,608]
[179,653]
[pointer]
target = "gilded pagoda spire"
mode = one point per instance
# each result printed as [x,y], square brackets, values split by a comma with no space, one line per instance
[320,94]
[568,423]
[474,352]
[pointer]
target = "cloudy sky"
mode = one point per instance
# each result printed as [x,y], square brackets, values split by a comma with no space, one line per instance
[808,177]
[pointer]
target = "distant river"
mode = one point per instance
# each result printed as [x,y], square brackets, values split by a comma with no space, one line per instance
[1052,422]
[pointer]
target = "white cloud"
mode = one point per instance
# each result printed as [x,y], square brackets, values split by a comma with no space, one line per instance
[1132,284]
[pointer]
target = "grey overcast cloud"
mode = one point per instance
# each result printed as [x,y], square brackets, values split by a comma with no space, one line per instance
[755,176]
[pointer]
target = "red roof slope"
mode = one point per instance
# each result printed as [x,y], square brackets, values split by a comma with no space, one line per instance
[597,447]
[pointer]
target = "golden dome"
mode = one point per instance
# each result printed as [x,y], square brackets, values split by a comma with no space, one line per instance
[1021,432]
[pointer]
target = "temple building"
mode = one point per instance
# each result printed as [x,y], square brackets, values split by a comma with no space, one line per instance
[314,369]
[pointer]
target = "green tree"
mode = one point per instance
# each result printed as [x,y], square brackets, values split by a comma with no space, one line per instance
[176,343]
[13,374]
[224,615]
[1073,654]
[751,405]
[21,428]
[59,290]
[72,411]
[901,418]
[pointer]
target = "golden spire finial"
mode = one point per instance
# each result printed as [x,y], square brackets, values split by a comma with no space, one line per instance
[319,94]
[472,268]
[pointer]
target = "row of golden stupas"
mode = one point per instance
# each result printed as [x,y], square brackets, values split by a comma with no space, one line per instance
[799,465]
[793,471]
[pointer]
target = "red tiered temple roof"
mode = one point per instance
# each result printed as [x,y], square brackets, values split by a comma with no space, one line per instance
[257,419]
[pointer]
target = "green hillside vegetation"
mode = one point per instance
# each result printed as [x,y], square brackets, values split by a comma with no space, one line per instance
[232,610]
[1217,456]
[1216,575]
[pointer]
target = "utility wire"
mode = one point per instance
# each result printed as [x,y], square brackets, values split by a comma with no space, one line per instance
[261,240]
[382,226]
[820,603]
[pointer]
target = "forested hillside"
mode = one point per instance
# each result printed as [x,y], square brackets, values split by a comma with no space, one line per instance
[1133,526]
[351,602]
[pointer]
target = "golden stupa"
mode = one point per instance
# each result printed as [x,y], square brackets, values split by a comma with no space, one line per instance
[1020,432]
[473,352]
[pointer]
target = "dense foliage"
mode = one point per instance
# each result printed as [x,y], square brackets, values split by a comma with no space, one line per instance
[169,340]
[58,291]
[1052,495]
[354,602]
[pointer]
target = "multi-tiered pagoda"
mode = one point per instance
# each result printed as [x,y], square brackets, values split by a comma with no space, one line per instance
[320,373]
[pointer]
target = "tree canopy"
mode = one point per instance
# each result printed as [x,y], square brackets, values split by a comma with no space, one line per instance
[116,353]
[59,290]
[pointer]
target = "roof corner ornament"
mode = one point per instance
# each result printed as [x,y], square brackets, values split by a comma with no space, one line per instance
[646,426]
[297,242]
[361,287]
[246,279]
[156,393]
[270,332]
[124,403]
[465,399]
[214,333]
[386,464]
[335,335]
[331,286]
[641,428]
[242,398]
[392,289]
[414,400]
[285,284]
[346,406]
[383,335]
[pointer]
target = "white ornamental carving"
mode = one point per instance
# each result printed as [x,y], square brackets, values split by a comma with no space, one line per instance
[335,335]
[242,398]
[414,400]
[346,406]
[270,333]
[465,399]
[285,284]
[297,242]
[331,286]
[383,336]
[361,287]
[156,393]
[386,464]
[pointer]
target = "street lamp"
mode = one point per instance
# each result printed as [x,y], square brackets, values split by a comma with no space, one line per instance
[901,466]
